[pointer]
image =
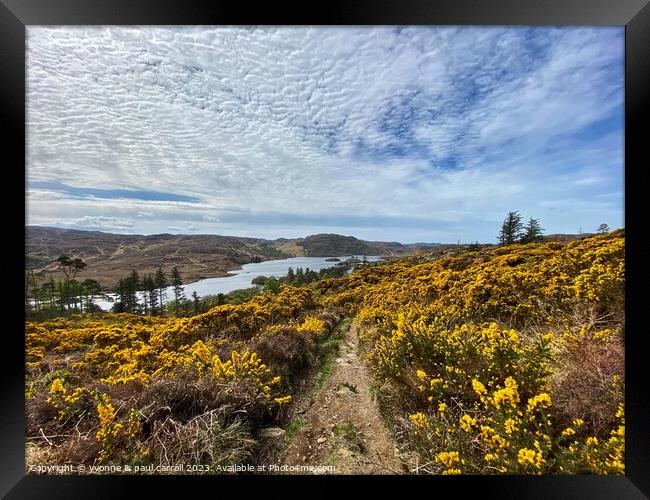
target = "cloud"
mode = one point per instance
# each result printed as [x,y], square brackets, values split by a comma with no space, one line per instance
[222,129]
[103,222]
[174,228]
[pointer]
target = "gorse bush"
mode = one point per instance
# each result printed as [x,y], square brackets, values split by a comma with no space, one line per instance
[507,361]
[127,380]
[497,360]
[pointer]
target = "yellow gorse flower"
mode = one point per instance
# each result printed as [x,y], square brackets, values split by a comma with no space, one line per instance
[507,395]
[283,400]
[478,387]
[467,422]
[542,400]
[419,419]
[448,458]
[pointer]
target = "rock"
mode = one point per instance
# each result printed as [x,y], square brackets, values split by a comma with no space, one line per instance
[271,433]
[321,440]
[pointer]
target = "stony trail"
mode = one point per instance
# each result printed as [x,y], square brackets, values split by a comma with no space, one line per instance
[342,426]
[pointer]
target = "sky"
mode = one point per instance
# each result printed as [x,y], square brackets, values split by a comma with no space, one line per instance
[410,134]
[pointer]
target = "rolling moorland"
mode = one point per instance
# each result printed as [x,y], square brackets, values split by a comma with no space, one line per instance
[111,256]
[488,360]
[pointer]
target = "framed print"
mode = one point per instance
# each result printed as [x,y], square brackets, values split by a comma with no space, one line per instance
[388,242]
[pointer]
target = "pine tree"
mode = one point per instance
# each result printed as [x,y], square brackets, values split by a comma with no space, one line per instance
[133,285]
[511,229]
[195,296]
[290,275]
[603,228]
[161,283]
[177,283]
[149,285]
[532,231]
[122,293]
[70,267]
[300,276]
[48,289]
[91,288]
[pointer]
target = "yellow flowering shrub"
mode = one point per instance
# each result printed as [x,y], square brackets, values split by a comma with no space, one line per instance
[456,331]
[62,400]
[312,325]
[473,344]
[109,430]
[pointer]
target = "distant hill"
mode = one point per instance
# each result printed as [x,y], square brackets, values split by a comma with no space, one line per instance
[566,237]
[329,245]
[111,256]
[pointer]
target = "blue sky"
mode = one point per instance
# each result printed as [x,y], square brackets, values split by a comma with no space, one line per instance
[400,134]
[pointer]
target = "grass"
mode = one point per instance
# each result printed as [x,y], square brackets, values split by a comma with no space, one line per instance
[346,436]
[294,427]
[343,326]
[326,370]
[349,435]
[329,348]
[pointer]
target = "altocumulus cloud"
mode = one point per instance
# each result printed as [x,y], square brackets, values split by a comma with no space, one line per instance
[101,222]
[408,134]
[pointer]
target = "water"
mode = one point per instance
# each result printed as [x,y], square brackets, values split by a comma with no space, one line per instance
[241,278]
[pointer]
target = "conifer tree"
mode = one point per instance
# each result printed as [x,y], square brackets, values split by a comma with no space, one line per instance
[177,283]
[161,283]
[195,297]
[532,231]
[511,229]
[149,285]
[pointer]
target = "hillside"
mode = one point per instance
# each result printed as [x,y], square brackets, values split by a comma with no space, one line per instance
[505,360]
[111,256]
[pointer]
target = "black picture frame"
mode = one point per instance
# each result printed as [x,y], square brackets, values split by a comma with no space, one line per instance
[15,15]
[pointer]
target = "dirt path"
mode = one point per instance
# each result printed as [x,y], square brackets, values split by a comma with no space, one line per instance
[342,426]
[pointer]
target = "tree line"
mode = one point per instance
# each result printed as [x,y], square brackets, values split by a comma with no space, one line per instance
[54,297]
[134,293]
[147,294]
[300,276]
[513,230]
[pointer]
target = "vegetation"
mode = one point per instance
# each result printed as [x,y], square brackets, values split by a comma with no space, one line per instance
[50,298]
[510,361]
[514,231]
[494,360]
[301,276]
[511,229]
